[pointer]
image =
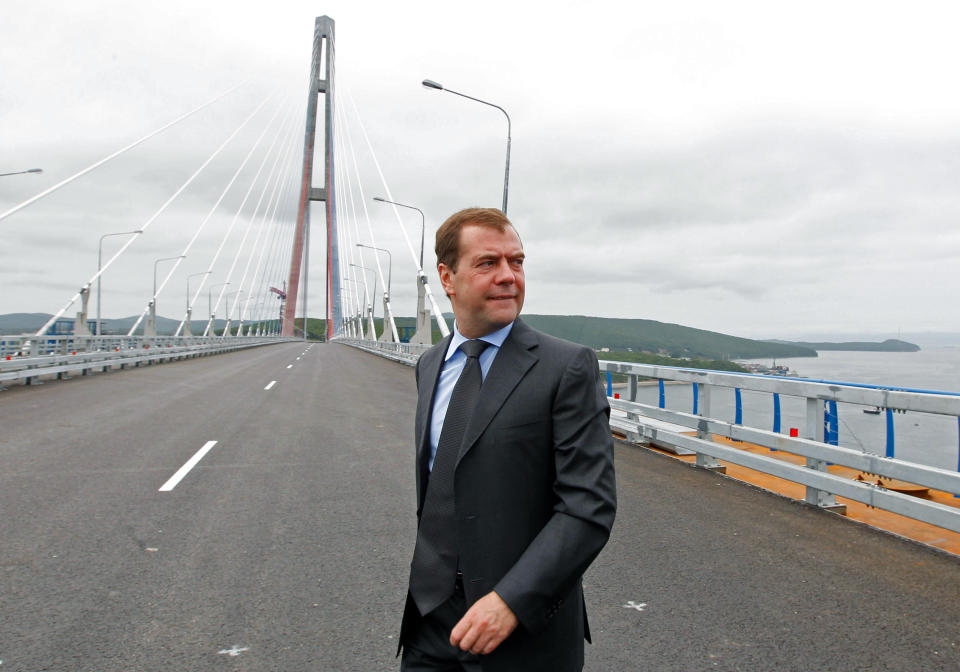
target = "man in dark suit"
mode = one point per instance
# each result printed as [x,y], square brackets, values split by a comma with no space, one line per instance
[515,482]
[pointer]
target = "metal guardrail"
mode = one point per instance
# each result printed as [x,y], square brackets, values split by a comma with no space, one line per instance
[644,423]
[28,357]
[407,353]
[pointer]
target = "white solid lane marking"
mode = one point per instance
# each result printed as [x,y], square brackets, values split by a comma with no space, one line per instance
[272,383]
[289,366]
[185,469]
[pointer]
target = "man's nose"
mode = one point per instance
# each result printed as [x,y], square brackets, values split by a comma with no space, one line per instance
[505,274]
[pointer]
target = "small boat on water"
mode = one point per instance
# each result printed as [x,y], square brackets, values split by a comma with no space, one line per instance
[773,370]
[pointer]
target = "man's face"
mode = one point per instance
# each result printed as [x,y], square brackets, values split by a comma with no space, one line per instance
[487,288]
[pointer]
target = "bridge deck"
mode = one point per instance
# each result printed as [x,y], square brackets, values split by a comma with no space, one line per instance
[286,547]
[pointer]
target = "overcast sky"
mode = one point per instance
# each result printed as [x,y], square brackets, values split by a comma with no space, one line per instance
[757,168]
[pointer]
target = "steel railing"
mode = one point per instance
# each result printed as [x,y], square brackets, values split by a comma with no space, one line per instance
[406,353]
[27,357]
[673,429]
[685,432]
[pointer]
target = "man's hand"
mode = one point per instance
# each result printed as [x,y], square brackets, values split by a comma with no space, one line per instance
[485,625]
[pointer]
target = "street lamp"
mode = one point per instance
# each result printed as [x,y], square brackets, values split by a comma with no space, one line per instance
[210,300]
[373,296]
[390,267]
[24,172]
[193,275]
[430,84]
[180,256]
[100,264]
[227,296]
[423,222]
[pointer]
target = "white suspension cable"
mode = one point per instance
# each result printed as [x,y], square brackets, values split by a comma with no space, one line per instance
[347,220]
[274,173]
[373,240]
[253,183]
[143,228]
[269,249]
[238,305]
[203,224]
[117,153]
[274,224]
[441,323]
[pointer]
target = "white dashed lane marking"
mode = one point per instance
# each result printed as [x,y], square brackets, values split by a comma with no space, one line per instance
[272,383]
[185,469]
[233,651]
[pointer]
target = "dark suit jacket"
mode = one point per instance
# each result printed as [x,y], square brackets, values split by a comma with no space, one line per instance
[535,493]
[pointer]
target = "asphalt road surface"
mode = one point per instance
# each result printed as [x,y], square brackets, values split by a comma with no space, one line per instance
[129,541]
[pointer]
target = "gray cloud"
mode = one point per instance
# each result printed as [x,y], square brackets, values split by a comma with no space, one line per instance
[689,171]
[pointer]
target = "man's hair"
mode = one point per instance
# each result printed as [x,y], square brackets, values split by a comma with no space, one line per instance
[448,235]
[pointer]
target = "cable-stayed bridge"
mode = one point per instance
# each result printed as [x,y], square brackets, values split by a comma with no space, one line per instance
[242,510]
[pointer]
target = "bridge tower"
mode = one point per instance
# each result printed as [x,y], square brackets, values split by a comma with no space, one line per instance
[323,55]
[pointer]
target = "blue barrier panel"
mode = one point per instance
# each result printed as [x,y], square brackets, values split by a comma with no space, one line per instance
[663,396]
[738,416]
[696,400]
[890,450]
[831,424]
[609,384]
[776,416]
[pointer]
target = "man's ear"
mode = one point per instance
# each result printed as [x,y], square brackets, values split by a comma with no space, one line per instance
[446,278]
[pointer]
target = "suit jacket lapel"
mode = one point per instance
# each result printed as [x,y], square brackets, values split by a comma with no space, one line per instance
[509,367]
[430,366]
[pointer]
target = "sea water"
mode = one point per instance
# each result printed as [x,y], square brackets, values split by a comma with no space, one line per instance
[918,437]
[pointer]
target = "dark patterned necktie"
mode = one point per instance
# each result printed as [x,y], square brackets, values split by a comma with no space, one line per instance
[434,568]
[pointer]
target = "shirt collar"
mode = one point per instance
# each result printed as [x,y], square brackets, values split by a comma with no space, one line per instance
[495,338]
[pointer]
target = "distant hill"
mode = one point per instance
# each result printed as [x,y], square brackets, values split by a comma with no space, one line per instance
[27,323]
[22,323]
[673,340]
[889,345]
[636,335]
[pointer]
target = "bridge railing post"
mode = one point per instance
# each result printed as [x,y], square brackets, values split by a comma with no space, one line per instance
[705,406]
[815,431]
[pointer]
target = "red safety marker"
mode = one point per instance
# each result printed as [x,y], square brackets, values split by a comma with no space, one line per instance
[794,432]
[616,395]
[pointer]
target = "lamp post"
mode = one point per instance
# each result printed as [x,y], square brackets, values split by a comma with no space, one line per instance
[210,300]
[189,314]
[430,84]
[390,267]
[181,256]
[423,221]
[24,172]
[153,301]
[227,296]
[100,265]
[373,295]
[193,275]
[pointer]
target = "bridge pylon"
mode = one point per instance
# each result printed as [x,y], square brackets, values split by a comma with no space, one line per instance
[320,83]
